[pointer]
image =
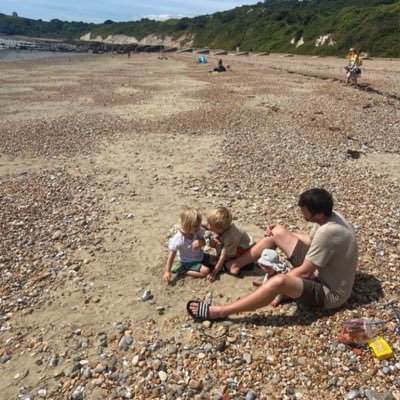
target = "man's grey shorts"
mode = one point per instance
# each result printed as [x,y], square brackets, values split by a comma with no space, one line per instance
[313,290]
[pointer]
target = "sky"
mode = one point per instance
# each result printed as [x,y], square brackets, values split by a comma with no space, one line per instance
[98,11]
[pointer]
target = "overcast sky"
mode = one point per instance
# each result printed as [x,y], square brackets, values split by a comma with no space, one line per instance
[98,11]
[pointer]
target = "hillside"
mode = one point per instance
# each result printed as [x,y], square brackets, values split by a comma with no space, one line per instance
[320,27]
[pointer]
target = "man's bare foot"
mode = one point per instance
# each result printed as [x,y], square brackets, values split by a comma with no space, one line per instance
[276,301]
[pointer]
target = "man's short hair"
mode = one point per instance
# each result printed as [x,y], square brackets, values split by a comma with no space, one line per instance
[317,200]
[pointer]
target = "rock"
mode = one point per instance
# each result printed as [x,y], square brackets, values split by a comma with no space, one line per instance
[78,394]
[206,324]
[125,342]
[250,396]
[372,395]
[247,357]
[221,346]
[42,393]
[354,394]
[135,360]
[389,396]
[4,358]
[194,384]
[163,376]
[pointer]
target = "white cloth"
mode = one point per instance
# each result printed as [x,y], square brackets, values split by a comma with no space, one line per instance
[183,246]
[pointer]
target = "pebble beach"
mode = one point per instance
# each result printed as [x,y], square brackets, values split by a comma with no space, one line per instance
[99,153]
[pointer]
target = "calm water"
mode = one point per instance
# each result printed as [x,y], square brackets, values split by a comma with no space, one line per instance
[12,54]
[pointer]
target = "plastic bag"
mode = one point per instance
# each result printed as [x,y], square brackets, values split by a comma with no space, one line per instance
[358,331]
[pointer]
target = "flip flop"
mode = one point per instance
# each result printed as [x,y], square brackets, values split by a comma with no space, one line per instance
[203,310]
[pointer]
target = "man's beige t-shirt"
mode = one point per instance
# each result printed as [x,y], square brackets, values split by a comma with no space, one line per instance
[235,237]
[334,251]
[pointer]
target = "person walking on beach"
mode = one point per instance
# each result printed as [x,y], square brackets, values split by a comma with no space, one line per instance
[353,68]
[324,262]
[188,243]
[235,240]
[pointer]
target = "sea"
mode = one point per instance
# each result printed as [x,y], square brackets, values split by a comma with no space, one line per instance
[10,50]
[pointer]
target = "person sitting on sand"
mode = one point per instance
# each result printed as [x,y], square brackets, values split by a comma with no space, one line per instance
[324,262]
[234,239]
[353,68]
[188,243]
[220,67]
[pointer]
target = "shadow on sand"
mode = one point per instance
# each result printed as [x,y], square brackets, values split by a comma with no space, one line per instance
[366,290]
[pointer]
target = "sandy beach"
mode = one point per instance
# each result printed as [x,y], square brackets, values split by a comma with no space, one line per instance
[98,154]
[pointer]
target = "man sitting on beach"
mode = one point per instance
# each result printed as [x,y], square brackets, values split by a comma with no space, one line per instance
[324,262]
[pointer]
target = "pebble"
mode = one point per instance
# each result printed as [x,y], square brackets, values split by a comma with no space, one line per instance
[251,396]
[389,396]
[247,357]
[372,395]
[354,394]
[78,393]
[206,324]
[163,376]
[5,358]
[125,342]
[135,360]
[194,384]
[42,393]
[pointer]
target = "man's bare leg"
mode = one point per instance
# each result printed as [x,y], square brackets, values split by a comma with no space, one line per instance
[281,238]
[287,285]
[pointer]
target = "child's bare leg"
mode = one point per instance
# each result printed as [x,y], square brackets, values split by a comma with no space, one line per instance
[204,271]
[250,256]
[281,238]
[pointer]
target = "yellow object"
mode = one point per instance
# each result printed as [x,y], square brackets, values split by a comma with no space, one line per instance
[380,348]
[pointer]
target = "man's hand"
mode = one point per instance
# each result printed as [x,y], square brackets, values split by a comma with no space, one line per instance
[268,230]
[167,276]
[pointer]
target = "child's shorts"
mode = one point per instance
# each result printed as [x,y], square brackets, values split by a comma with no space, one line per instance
[240,251]
[191,266]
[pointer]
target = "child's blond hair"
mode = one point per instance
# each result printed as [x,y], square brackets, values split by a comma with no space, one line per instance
[220,219]
[189,217]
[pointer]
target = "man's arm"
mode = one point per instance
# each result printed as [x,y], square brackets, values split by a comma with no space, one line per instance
[304,271]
